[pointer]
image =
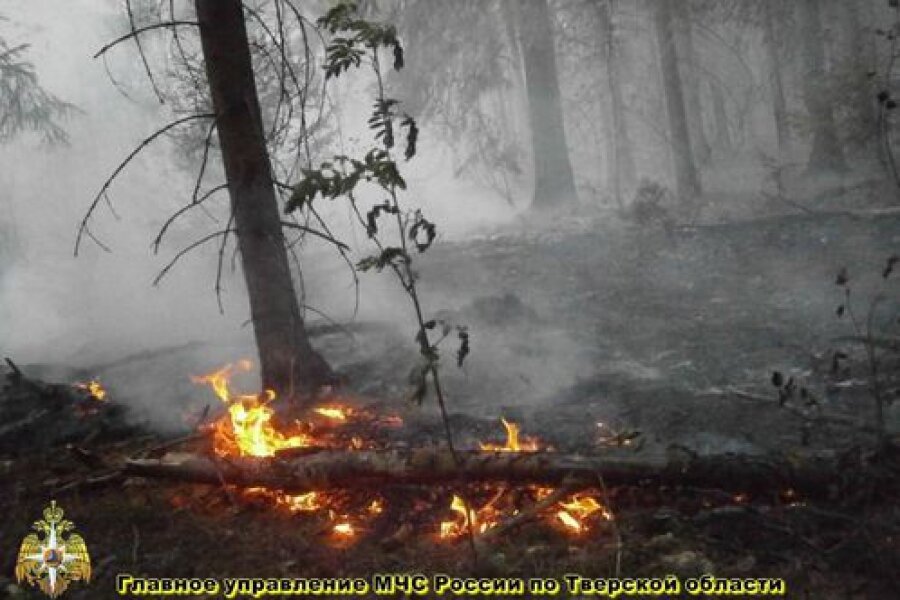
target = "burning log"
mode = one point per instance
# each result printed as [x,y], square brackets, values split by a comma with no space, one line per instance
[333,469]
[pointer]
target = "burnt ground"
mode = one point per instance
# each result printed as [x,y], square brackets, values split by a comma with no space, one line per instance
[668,337]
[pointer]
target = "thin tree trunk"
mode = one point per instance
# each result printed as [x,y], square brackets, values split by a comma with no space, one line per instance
[684,41]
[554,182]
[858,38]
[288,363]
[720,114]
[826,153]
[686,177]
[779,105]
[623,169]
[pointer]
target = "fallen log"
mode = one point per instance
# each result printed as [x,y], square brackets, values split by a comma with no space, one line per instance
[330,469]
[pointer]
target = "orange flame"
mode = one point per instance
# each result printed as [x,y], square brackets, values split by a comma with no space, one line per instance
[513,442]
[573,514]
[247,429]
[94,388]
[482,519]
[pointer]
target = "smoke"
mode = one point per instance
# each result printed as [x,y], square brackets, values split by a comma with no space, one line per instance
[88,309]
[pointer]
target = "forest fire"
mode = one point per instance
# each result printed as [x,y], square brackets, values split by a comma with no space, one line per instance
[248,429]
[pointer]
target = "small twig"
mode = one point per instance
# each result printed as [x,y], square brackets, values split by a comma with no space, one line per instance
[615,527]
[184,209]
[165,270]
[135,544]
[91,482]
[316,233]
[158,449]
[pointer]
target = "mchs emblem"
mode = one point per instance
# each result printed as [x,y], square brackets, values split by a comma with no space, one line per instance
[53,557]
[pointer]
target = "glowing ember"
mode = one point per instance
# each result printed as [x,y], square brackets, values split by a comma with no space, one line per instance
[574,513]
[376,507]
[308,502]
[94,388]
[570,521]
[337,413]
[344,529]
[513,442]
[301,503]
[247,429]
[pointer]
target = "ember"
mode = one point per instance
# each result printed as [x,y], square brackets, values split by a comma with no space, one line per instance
[337,413]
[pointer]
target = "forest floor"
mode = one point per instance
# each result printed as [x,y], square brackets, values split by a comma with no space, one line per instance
[580,331]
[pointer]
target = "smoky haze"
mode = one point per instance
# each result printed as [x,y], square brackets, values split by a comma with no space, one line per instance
[598,173]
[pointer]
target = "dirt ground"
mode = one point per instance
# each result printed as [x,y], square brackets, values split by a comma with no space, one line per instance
[672,340]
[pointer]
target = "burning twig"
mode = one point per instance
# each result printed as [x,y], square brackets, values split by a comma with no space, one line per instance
[529,513]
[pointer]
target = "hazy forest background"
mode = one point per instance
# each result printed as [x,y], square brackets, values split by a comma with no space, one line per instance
[671,223]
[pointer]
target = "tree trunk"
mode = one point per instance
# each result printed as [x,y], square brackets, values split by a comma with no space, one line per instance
[857,39]
[720,113]
[779,105]
[330,469]
[554,183]
[623,169]
[288,363]
[686,178]
[684,42]
[826,153]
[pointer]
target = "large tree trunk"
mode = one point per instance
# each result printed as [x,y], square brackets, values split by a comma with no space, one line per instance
[623,169]
[779,105]
[554,183]
[826,153]
[686,177]
[288,363]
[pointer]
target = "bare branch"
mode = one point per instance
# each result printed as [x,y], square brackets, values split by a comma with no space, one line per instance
[140,49]
[184,209]
[316,233]
[165,270]
[140,30]
[220,262]
[180,48]
[82,228]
